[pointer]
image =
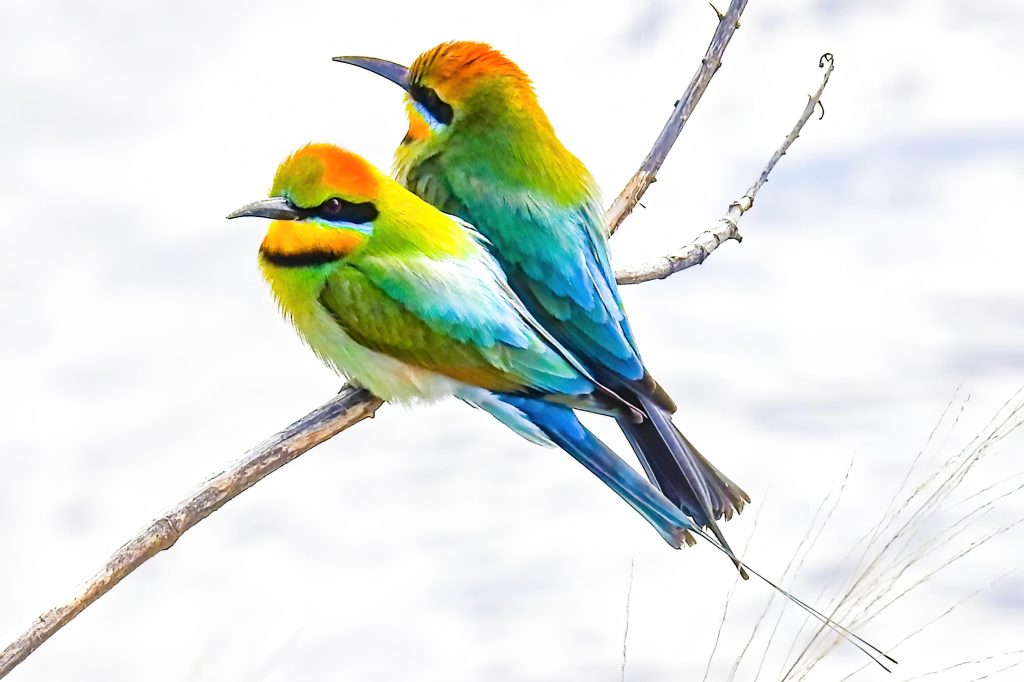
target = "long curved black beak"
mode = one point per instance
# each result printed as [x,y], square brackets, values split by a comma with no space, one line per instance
[275,208]
[396,73]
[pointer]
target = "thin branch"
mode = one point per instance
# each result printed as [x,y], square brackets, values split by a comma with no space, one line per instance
[646,175]
[697,251]
[353,404]
[350,406]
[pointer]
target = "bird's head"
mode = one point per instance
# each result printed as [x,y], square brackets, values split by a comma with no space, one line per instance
[328,204]
[456,82]
[324,206]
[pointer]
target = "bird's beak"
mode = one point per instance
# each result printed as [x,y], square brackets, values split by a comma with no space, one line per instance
[396,73]
[275,208]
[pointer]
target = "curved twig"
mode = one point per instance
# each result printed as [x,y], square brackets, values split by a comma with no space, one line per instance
[697,251]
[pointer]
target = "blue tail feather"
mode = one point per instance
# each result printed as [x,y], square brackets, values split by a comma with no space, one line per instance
[540,420]
[561,425]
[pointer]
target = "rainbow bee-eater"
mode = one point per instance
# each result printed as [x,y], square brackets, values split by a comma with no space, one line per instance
[410,303]
[480,147]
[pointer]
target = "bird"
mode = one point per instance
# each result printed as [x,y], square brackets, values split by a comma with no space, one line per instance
[409,303]
[480,147]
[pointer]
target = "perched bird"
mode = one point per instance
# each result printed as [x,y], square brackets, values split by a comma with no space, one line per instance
[480,147]
[409,302]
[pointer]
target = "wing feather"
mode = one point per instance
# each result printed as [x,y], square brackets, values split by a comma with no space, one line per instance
[450,317]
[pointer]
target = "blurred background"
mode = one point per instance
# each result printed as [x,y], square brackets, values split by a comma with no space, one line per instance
[140,350]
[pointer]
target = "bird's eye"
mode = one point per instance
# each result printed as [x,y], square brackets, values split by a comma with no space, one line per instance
[337,210]
[432,102]
[332,206]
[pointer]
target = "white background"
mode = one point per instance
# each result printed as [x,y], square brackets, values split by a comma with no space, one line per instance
[140,350]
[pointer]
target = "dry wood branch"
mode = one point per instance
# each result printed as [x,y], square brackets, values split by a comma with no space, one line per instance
[350,406]
[353,404]
[697,251]
[630,195]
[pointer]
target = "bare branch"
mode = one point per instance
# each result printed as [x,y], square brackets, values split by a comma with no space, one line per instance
[350,406]
[646,175]
[697,251]
[813,101]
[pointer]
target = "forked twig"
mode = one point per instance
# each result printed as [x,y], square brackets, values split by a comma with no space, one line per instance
[697,251]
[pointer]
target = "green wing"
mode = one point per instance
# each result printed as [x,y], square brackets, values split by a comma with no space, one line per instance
[555,258]
[443,338]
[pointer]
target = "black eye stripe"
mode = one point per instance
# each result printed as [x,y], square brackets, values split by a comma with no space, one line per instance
[438,108]
[336,209]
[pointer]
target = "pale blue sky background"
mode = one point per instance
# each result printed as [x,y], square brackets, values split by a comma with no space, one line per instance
[140,350]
